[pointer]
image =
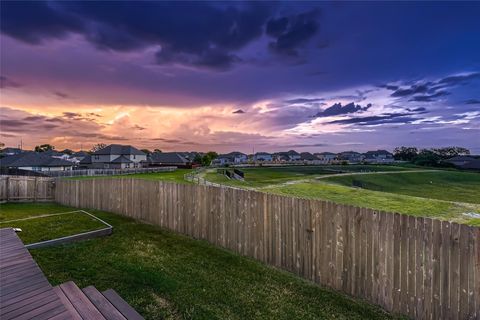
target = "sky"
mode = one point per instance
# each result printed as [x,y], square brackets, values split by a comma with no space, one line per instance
[247,76]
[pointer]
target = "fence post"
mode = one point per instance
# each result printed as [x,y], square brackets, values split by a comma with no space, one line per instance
[8,189]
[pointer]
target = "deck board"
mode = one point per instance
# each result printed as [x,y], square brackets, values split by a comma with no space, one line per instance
[25,292]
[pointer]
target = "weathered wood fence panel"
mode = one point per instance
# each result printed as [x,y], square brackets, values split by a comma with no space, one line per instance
[424,268]
[24,188]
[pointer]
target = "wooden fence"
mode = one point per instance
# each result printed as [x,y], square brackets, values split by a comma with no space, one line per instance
[424,268]
[23,188]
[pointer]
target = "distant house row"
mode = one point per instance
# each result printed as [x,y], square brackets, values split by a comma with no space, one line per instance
[114,156]
[292,156]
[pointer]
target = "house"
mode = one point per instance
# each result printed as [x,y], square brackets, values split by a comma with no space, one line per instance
[10,151]
[288,156]
[231,158]
[378,156]
[79,156]
[262,156]
[116,156]
[35,161]
[350,156]
[309,158]
[465,162]
[460,160]
[326,157]
[167,159]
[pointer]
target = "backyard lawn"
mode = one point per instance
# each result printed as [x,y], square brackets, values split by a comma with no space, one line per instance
[391,202]
[164,275]
[443,185]
[265,176]
[173,176]
[46,222]
[445,194]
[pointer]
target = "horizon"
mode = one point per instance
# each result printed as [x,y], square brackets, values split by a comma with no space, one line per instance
[238,76]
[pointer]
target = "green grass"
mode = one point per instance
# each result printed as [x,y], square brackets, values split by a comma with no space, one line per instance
[265,176]
[443,185]
[391,202]
[164,275]
[36,228]
[173,176]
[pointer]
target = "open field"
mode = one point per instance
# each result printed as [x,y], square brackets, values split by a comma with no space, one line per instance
[416,206]
[443,185]
[36,227]
[173,176]
[266,176]
[442,194]
[164,275]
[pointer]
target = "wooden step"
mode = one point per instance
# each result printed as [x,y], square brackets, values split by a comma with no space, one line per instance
[121,305]
[81,303]
[102,304]
[68,305]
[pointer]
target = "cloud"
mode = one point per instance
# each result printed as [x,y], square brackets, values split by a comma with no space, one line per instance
[421,88]
[472,101]
[303,100]
[239,111]
[384,118]
[61,95]
[338,109]
[8,83]
[428,98]
[459,79]
[200,34]
[292,32]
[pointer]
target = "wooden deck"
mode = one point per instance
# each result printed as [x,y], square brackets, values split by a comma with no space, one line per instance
[25,292]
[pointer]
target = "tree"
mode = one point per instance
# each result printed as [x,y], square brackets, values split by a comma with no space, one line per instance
[427,158]
[449,152]
[146,151]
[157,150]
[44,147]
[405,153]
[98,146]
[206,159]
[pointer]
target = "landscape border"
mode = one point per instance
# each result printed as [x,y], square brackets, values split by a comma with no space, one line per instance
[72,238]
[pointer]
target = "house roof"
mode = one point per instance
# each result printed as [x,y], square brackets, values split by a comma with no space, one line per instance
[461,158]
[121,159]
[33,159]
[118,149]
[307,156]
[80,154]
[86,160]
[377,152]
[167,157]
[474,164]
[326,154]
[11,150]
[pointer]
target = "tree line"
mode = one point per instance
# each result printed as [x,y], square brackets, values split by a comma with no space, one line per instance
[434,157]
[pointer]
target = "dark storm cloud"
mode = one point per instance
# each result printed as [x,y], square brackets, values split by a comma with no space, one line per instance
[292,32]
[8,83]
[61,95]
[303,100]
[239,111]
[35,21]
[71,115]
[459,79]
[189,33]
[422,88]
[338,109]
[472,101]
[429,98]
[388,86]
[385,118]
